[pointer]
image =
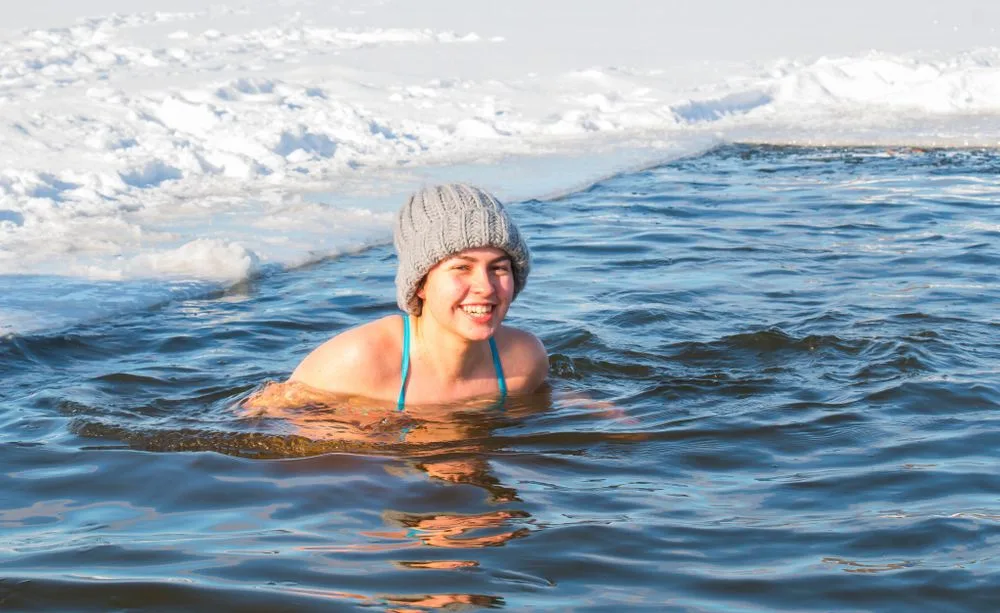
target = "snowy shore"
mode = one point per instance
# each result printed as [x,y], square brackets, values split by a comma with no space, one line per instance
[152,143]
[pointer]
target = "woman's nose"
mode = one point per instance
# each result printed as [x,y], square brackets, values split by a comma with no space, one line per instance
[482,281]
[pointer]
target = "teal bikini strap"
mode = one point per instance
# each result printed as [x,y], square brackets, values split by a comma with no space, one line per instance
[501,381]
[404,369]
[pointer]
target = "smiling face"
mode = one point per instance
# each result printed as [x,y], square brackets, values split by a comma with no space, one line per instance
[469,293]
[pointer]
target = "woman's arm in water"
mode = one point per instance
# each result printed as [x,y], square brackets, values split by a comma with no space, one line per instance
[525,361]
[275,396]
[353,362]
[347,365]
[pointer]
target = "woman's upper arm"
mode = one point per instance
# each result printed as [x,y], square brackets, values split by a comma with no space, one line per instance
[531,361]
[315,368]
[540,362]
[338,365]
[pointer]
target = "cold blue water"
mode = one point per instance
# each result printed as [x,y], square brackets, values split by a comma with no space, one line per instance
[775,384]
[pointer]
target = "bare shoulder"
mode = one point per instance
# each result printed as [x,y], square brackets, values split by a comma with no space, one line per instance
[358,361]
[525,361]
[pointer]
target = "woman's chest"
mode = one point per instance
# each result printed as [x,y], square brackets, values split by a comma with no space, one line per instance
[433,392]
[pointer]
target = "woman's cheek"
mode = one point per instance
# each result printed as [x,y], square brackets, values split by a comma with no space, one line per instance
[507,283]
[456,284]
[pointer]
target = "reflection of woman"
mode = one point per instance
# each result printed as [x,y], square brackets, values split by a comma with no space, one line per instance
[473,470]
[456,531]
[462,262]
[442,601]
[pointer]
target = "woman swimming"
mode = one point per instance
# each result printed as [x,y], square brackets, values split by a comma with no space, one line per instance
[462,261]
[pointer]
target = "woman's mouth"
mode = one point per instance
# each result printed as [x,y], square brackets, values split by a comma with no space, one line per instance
[478,312]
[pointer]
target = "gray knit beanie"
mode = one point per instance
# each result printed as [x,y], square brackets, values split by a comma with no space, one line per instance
[440,221]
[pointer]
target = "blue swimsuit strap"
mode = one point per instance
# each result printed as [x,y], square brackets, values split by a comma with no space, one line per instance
[501,381]
[405,366]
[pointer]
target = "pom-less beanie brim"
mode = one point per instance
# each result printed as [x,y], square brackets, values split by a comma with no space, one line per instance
[440,221]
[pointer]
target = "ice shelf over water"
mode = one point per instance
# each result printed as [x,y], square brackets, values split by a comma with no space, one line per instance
[147,145]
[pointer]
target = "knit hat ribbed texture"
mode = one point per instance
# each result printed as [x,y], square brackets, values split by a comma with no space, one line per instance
[440,221]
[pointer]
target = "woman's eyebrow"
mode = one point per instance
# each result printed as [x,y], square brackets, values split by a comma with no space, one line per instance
[469,258]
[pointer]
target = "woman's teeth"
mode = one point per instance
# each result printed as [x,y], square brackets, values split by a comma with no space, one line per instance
[478,309]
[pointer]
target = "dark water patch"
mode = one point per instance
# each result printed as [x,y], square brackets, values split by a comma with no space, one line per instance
[886,486]
[98,594]
[947,449]
[243,444]
[764,344]
[584,367]
[922,397]
[901,591]
[124,378]
[52,351]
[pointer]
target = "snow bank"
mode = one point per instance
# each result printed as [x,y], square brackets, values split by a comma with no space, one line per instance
[211,144]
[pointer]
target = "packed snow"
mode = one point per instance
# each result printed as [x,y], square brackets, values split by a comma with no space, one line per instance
[150,149]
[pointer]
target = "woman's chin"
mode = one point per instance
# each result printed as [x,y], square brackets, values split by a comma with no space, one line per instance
[478,333]
[478,328]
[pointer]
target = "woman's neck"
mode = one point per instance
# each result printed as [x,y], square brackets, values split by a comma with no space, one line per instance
[451,356]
